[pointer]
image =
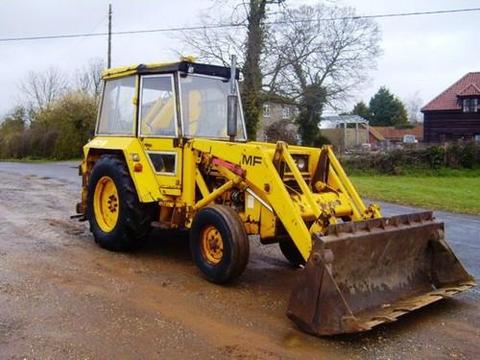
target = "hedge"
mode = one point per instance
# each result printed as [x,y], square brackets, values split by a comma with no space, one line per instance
[465,155]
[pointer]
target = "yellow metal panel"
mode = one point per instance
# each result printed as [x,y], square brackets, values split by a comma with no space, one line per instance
[165,181]
[189,171]
[132,69]
[252,208]
[144,181]
[267,223]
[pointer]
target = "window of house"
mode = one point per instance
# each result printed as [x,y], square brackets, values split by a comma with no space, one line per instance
[285,112]
[266,110]
[470,105]
[477,138]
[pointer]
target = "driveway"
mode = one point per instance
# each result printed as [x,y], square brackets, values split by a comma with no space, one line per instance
[61,296]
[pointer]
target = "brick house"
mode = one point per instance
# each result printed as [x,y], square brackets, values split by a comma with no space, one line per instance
[397,135]
[455,113]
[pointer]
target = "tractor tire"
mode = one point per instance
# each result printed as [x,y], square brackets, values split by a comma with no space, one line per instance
[118,221]
[291,253]
[219,243]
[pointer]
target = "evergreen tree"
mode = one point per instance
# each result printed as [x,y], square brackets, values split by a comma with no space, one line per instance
[386,109]
[361,109]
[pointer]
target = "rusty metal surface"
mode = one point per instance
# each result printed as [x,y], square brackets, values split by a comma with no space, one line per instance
[362,274]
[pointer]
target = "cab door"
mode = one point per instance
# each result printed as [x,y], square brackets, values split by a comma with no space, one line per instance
[158,130]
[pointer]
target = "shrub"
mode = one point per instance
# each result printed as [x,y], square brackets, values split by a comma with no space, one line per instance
[58,131]
[434,156]
[321,140]
[282,130]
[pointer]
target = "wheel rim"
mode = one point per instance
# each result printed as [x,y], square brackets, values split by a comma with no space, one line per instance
[105,204]
[212,245]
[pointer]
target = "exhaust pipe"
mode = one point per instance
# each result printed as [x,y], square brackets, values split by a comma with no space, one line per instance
[232,101]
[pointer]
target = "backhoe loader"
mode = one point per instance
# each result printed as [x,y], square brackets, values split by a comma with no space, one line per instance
[170,151]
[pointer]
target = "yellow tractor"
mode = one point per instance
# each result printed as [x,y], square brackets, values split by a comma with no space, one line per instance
[170,151]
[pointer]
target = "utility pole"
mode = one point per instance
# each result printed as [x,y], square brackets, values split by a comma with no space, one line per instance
[109,51]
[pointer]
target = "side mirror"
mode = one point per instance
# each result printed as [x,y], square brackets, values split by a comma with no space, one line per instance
[232,108]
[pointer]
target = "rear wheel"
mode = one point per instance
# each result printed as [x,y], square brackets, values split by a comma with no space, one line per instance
[117,219]
[291,253]
[219,243]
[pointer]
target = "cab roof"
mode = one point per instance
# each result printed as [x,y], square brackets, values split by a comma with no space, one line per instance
[184,66]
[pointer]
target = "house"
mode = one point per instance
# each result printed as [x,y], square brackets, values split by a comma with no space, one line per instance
[276,108]
[395,135]
[455,113]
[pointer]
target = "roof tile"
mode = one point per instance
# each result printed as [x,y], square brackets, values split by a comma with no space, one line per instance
[468,85]
[392,133]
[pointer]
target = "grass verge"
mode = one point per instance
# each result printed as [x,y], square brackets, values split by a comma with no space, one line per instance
[453,191]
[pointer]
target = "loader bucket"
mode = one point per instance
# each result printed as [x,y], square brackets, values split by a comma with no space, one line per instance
[362,274]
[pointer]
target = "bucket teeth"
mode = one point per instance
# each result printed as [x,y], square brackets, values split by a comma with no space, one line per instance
[362,274]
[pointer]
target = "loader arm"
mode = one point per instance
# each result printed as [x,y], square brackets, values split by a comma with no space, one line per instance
[362,269]
[261,174]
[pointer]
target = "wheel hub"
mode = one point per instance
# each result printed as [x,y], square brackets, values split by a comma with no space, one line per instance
[212,245]
[105,204]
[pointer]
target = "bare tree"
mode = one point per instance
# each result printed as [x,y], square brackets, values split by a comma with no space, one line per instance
[323,55]
[89,79]
[243,35]
[326,46]
[216,45]
[414,104]
[42,88]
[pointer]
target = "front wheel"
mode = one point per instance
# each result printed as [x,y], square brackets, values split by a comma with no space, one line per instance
[291,253]
[117,219]
[219,243]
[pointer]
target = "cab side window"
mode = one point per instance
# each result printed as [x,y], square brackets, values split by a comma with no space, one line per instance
[158,116]
[118,109]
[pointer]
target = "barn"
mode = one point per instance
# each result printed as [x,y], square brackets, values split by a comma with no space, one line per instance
[455,113]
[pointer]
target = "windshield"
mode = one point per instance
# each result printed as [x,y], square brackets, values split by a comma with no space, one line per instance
[118,110]
[204,107]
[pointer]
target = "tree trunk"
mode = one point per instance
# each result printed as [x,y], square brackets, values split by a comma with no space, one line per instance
[252,83]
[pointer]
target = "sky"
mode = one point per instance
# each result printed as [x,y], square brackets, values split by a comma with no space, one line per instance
[422,55]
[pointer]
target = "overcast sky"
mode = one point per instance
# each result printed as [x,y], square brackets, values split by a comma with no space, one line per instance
[423,54]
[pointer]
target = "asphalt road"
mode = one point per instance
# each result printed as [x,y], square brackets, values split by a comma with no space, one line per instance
[63,297]
[462,231]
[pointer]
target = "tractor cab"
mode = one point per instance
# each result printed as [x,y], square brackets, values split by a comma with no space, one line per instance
[163,106]
[168,101]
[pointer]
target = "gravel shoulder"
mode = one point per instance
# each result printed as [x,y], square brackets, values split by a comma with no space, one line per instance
[61,296]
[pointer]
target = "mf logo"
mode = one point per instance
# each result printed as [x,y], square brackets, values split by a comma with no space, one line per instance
[251,160]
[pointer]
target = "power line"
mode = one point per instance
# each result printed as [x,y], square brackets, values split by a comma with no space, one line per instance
[434,12]
[227,25]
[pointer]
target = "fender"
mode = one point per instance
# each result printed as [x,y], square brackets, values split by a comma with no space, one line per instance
[145,183]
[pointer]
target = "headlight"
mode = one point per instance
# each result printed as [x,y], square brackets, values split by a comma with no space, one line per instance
[301,164]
